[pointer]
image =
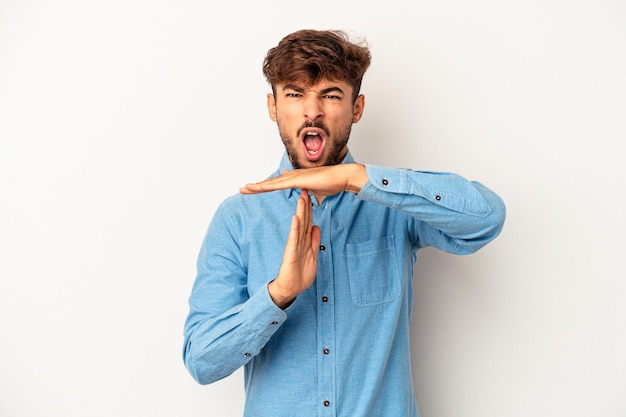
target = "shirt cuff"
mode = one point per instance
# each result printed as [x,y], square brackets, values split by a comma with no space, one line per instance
[391,180]
[442,189]
[262,315]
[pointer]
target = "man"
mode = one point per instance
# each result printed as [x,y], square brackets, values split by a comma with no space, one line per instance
[319,314]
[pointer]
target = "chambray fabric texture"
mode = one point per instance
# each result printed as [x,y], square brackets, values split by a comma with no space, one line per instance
[342,348]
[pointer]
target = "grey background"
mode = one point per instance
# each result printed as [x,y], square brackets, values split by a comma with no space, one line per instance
[123,124]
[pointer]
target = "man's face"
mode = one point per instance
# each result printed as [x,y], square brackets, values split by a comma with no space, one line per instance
[315,122]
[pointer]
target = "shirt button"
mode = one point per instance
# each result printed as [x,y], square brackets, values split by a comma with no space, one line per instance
[438,197]
[274,322]
[326,351]
[385,181]
[322,248]
[326,403]
[247,354]
[325,299]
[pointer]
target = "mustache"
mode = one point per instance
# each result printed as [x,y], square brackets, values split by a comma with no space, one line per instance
[317,125]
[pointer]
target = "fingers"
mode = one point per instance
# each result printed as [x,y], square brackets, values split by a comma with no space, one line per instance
[321,181]
[271,184]
[305,215]
[300,178]
[316,238]
[301,225]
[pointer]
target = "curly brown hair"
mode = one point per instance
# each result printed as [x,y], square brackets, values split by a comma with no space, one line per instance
[310,56]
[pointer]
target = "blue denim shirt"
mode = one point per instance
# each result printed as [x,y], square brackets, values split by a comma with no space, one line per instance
[342,347]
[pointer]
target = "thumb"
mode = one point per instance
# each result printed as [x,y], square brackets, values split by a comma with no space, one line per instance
[316,237]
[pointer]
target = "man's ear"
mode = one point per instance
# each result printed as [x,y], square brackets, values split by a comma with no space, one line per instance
[271,106]
[357,108]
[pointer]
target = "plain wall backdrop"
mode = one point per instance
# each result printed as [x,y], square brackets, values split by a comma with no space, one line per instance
[123,125]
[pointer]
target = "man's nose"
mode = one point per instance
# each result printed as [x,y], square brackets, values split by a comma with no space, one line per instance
[313,106]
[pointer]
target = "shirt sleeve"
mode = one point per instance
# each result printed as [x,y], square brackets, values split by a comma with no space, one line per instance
[446,210]
[226,327]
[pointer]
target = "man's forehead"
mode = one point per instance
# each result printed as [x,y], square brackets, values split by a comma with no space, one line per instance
[320,86]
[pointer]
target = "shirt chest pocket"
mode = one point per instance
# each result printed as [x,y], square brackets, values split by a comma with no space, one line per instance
[373,271]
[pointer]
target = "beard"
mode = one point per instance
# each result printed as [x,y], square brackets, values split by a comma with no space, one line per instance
[334,148]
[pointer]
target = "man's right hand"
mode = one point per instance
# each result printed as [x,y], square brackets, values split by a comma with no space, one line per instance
[299,265]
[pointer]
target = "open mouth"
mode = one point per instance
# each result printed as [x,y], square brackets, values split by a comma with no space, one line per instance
[313,143]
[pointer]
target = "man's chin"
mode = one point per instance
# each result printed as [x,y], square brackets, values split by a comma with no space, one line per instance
[308,164]
[303,162]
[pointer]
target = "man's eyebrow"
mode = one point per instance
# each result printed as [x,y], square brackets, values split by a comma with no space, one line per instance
[331,90]
[322,92]
[293,87]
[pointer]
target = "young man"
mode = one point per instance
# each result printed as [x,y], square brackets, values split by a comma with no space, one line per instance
[319,314]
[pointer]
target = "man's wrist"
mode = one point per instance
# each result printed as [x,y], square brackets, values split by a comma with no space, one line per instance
[281,301]
[357,178]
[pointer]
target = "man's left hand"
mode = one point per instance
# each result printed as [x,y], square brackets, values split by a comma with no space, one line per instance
[320,181]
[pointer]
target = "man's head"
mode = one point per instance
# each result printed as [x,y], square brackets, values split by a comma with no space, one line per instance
[316,78]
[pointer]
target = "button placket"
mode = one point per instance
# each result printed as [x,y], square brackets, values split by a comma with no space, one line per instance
[325,311]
